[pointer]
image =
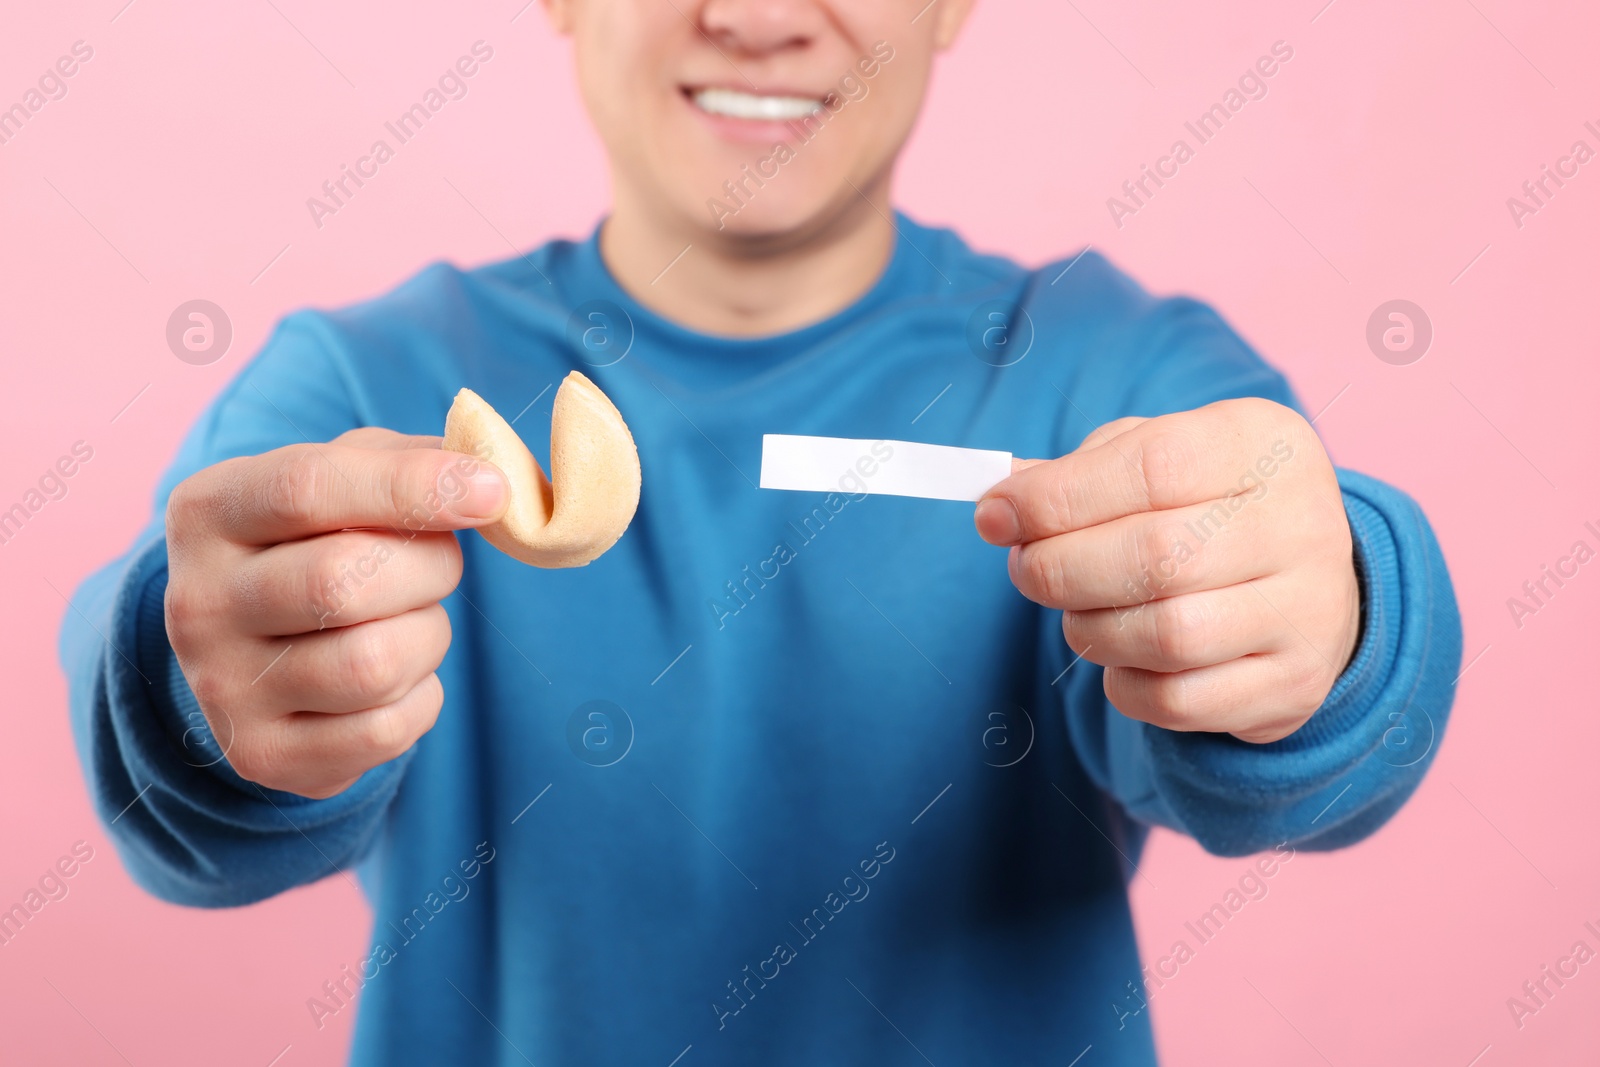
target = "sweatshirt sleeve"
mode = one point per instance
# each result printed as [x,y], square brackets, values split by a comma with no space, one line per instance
[1364,751]
[189,829]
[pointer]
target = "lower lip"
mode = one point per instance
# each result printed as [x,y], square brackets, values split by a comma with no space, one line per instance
[764,131]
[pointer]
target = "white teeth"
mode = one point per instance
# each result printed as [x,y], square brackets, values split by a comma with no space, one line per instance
[749,106]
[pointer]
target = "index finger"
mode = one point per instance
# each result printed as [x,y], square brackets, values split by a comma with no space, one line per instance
[1098,436]
[303,490]
[1161,463]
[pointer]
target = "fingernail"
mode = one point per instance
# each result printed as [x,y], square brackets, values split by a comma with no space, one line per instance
[485,496]
[998,522]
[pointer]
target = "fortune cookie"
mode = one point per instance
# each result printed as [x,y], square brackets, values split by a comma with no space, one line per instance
[571,518]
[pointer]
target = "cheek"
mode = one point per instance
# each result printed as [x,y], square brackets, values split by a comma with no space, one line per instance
[885,116]
[607,93]
[619,63]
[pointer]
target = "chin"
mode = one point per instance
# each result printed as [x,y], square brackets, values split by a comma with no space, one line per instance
[757,223]
[792,205]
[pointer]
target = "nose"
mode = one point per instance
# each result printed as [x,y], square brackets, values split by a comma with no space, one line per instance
[760,27]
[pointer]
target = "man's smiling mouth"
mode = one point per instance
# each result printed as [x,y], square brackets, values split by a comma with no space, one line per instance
[734,104]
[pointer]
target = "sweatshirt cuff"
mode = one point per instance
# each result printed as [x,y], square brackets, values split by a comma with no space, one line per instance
[162,728]
[1379,724]
[1355,693]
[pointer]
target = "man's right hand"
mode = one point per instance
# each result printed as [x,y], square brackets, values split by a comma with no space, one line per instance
[303,599]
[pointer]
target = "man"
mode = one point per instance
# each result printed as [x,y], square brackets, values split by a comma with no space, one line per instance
[782,778]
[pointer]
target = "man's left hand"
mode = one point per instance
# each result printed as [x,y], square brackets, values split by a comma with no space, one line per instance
[1203,558]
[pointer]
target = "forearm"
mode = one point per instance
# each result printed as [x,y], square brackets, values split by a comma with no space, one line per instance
[188,828]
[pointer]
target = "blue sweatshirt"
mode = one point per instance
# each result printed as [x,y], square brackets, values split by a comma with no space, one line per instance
[783,778]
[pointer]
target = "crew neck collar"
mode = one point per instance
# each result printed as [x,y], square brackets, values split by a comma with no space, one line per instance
[593,281]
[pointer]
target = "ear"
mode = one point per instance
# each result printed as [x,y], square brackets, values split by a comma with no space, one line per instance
[560,14]
[948,20]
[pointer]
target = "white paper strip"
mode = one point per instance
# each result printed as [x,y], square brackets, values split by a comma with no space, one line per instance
[891,468]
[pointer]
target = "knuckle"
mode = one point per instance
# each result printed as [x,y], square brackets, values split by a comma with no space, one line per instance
[1245,407]
[383,736]
[1178,627]
[190,504]
[367,663]
[1106,432]
[1167,464]
[396,488]
[321,591]
[210,506]
[1308,686]
[366,437]
[182,504]
[440,632]
[1109,430]
[245,591]
[242,758]
[445,554]
[1043,578]
[429,699]
[1075,628]
[290,494]
[1161,552]
[391,730]
[209,689]
[253,759]
[428,485]
[1050,508]
[450,477]
[1168,697]
[1271,413]
[182,606]
[417,491]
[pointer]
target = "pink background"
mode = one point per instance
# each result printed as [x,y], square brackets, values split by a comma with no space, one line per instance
[1377,167]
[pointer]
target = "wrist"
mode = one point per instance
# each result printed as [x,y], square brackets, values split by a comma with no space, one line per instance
[1357,612]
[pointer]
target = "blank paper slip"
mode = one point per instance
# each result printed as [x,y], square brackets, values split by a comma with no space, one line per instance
[889,468]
